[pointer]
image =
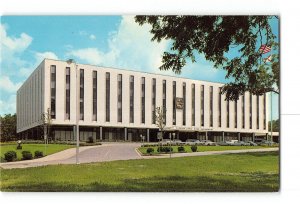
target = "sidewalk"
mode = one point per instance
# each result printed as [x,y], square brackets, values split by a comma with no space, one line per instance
[211,153]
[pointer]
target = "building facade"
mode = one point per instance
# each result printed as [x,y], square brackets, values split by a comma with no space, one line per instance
[119,105]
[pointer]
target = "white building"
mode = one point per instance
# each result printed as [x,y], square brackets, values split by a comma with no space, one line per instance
[117,104]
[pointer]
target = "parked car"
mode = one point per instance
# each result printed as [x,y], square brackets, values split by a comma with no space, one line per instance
[165,141]
[192,142]
[266,142]
[177,142]
[233,143]
[222,143]
[207,143]
[244,143]
[252,143]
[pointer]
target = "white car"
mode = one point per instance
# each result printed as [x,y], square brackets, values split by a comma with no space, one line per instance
[192,142]
[207,143]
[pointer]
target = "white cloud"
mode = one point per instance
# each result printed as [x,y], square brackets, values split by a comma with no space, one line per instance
[82,33]
[129,47]
[7,85]
[39,57]
[12,43]
[90,55]
[92,37]
[9,105]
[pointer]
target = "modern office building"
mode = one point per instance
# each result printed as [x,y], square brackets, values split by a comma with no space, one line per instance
[119,105]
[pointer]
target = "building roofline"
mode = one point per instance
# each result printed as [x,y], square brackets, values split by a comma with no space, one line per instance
[122,69]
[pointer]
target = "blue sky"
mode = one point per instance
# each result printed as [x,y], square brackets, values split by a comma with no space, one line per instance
[112,41]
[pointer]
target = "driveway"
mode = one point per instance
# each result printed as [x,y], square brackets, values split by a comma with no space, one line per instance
[100,153]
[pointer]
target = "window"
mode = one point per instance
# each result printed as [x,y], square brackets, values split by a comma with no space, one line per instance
[53,91]
[250,111]
[184,102]
[153,100]
[228,116]
[67,116]
[81,98]
[193,104]
[257,111]
[220,106]
[235,113]
[243,111]
[174,102]
[211,105]
[143,100]
[119,102]
[94,95]
[107,96]
[264,111]
[131,99]
[165,100]
[202,105]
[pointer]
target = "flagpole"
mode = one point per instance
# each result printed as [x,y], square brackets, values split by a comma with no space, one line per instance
[271,118]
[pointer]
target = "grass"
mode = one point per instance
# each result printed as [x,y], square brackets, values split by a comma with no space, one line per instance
[143,150]
[50,148]
[254,172]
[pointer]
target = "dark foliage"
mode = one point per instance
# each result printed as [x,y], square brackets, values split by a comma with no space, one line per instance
[215,37]
[26,155]
[10,156]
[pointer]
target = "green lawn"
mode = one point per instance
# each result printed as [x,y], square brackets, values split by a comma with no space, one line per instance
[143,150]
[255,172]
[50,148]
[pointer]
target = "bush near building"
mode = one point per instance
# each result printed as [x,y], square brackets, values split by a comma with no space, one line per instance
[10,156]
[26,155]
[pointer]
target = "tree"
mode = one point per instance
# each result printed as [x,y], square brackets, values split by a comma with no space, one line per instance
[215,37]
[275,124]
[46,124]
[8,125]
[160,122]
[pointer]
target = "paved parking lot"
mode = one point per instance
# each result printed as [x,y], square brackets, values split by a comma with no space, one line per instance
[104,152]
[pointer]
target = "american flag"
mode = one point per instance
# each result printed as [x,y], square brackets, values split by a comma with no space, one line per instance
[264,49]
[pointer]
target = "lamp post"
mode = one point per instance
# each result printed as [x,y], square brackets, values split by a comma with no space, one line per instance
[77,114]
[141,136]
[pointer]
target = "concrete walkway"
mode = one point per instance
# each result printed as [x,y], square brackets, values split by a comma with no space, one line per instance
[110,152]
[212,153]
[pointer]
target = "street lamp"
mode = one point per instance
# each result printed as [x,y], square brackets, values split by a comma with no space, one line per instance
[69,61]
[142,139]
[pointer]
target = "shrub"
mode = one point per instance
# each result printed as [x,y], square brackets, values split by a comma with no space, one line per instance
[194,148]
[10,156]
[181,149]
[165,149]
[26,155]
[38,154]
[150,150]
[160,149]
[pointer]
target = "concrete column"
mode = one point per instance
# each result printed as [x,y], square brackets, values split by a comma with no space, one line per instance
[198,136]
[253,137]
[101,138]
[148,135]
[125,134]
[239,136]
[206,137]
[74,133]
[223,136]
[271,139]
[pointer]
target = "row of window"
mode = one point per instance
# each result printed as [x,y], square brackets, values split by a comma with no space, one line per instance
[153,101]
